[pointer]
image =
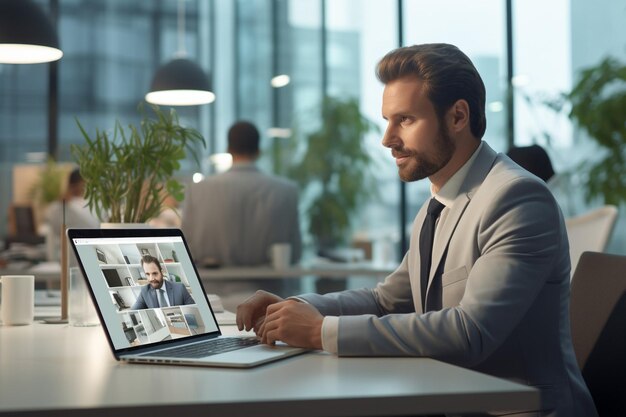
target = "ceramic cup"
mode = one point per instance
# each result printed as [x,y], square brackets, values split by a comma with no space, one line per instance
[18,299]
[280,255]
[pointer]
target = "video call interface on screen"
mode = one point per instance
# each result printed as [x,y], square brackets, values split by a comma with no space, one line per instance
[129,302]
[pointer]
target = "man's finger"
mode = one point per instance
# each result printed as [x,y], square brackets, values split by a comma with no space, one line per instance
[245,318]
[270,328]
[258,324]
[261,328]
[239,319]
[271,337]
[269,324]
[274,308]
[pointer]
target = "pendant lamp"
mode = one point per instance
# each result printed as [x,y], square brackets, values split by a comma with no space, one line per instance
[180,82]
[26,34]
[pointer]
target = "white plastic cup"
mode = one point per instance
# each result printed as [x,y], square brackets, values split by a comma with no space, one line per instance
[18,300]
[280,255]
[81,311]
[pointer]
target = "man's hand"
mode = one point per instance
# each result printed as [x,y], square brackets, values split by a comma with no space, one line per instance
[250,313]
[295,323]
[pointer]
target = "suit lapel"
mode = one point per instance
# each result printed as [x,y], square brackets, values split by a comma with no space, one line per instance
[475,177]
[444,234]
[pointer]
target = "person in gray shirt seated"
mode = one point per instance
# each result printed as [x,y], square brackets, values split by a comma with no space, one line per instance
[233,218]
[71,211]
[158,292]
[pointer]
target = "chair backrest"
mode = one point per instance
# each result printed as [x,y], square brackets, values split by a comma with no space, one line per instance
[590,231]
[21,220]
[598,324]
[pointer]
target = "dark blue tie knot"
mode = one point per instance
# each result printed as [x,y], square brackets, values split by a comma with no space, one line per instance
[434,207]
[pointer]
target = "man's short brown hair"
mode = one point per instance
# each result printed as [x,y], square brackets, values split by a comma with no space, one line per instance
[243,139]
[149,259]
[448,75]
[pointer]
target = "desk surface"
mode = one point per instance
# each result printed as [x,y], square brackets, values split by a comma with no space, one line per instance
[59,368]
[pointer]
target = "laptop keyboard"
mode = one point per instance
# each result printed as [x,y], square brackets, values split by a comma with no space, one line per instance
[209,347]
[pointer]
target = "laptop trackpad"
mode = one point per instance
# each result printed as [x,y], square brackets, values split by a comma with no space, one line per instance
[253,355]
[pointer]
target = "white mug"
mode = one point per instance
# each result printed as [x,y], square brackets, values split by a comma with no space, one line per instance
[280,255]
[18,299]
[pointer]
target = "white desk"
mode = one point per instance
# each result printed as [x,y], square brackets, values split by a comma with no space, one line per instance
[55,369]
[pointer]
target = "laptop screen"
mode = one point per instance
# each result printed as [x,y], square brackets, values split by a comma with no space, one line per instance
[146,287]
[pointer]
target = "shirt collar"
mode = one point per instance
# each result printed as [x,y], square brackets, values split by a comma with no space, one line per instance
[244,166]
[163,287]
[450,190]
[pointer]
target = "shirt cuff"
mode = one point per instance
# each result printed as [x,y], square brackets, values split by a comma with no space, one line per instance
[298,299]
[330,330]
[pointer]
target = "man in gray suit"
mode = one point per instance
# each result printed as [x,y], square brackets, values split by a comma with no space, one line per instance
[159,292]
[232,219]
[493,293]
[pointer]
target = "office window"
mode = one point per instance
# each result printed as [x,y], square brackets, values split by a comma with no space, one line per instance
[360,33]
[287,38]
[277,38]
[479,30]
[111,50]
[573,35]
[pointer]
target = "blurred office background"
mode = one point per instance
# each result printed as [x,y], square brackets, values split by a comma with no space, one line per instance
[524,49]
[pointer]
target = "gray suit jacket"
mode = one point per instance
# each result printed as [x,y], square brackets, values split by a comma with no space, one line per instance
[236,216]
[177,295]
[505,289]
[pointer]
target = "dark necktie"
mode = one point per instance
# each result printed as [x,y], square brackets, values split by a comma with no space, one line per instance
[162,300]
[426,245]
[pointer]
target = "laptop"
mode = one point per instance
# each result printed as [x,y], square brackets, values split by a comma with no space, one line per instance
[177,327]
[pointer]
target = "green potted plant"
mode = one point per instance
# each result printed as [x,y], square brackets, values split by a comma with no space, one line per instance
[598,106]
[49,184]
[128,176]
[334,171]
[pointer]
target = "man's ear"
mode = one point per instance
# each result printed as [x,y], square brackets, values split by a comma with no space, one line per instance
[458,116]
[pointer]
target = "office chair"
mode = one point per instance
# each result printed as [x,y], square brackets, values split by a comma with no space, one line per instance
[590,231]
[598,324]
[21,226]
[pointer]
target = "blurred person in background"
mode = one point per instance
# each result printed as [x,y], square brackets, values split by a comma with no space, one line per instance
[233,218]
[72,211]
